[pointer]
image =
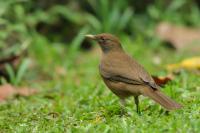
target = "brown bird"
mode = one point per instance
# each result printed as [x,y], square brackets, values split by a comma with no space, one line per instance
[124,76]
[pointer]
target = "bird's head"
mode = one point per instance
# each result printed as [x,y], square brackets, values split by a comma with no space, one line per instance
[106,41]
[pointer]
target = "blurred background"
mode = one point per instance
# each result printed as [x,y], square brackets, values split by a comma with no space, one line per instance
[34,27]
[43,45]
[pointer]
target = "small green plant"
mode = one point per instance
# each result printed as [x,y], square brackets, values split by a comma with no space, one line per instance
[109,16]
[17,77]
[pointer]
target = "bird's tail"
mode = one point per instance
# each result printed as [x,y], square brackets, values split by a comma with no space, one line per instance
[162,99]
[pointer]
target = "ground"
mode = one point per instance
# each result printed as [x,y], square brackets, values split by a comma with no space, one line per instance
[73,97]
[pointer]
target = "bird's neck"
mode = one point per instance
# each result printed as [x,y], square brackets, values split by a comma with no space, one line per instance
[108,50]
[115,53]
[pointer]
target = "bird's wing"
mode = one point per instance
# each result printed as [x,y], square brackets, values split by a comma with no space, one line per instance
[125,69]
[144,76]
[119,78]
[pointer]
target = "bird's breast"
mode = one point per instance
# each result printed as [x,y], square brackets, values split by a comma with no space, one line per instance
[121,89]
[117,88]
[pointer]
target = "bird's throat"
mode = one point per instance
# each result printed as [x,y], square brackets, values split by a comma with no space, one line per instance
[107,49]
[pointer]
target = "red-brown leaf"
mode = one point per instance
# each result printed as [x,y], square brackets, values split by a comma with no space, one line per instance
[8,90]
[161,81]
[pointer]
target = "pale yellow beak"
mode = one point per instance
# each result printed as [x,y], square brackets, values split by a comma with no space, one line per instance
[90,37]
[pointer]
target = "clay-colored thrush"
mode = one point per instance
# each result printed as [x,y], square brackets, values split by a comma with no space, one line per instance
[124,76]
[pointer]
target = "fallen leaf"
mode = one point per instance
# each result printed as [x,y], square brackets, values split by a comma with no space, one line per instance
[157,60]
[179,37]
[61,71]
[8,90]
[162,80]
[98,119]
[190,63]
[25,91]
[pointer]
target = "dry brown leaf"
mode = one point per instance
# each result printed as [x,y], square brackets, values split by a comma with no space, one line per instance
[179,37]
[157,60]
[60,70]
[161,81]
[190,63]
[8,90]
[25,91]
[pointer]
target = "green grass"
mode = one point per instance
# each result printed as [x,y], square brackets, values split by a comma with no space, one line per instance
[77,100]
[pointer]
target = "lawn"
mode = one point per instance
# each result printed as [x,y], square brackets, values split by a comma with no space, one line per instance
[73,98]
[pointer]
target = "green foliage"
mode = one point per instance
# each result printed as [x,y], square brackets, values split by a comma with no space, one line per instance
[109,16]
[21,19]
[14,33]
[16,77]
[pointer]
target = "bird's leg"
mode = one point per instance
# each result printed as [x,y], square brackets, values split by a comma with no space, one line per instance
[122,103]
[136,98]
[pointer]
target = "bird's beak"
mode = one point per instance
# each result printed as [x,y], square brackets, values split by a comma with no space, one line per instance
[90,37]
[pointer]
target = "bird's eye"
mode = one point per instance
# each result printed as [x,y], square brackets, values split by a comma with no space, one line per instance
[103,39]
